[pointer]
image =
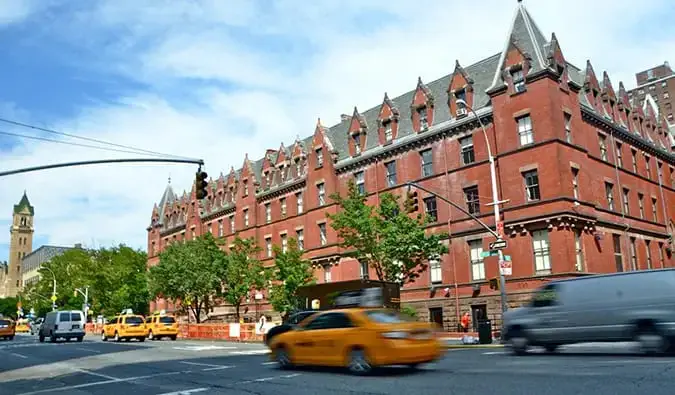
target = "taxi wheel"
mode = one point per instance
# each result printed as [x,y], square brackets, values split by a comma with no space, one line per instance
[283,358]
[174,337]
[141,339]
[117,337]
[11,338]
[358,362]
[104,338]
[151,336]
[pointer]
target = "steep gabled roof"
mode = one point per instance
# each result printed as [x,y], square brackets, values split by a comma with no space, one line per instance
[24,203]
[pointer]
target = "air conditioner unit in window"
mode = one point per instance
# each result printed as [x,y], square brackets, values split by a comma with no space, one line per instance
[461,112]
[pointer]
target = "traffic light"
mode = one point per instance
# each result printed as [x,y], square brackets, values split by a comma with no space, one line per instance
[201,184]
[494,283]
[413,204]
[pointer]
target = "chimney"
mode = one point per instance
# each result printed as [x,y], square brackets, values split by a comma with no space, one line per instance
[78,246]
[345,117]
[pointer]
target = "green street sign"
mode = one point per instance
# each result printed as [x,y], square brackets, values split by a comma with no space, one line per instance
[486,254]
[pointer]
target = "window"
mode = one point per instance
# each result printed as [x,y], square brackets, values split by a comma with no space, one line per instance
[546,296]
[245,188]
[319,157]
[579,251]
[472,200]
[322,234]
[268,246]
[360,181]
[664,84]
[477,264]
[568,128]
[427,162]
[575,183]
[602,139]
[626,205]
[391,173]
[460,95]
[518,81]
[659,172]
[633,254]
[619,156]
[633,154]
[298,167]
[430,208]
[542,252]
[284,243]
[321,192]
[356,137]
[532,185]
[435,270]
[618,257]
[268,212]
[220,228]
[300,237]
[298,200]
[422,114]
[193,234]
[466,144]
[282,203]
[326,274]
[525,132]
[654,210]
[648,168]
[363,269]
[641,205]
[231,223]
[388,133]
[609,195]
[648,249]
[246,217]
[661,257]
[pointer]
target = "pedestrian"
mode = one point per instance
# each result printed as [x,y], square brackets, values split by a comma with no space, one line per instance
[466,320]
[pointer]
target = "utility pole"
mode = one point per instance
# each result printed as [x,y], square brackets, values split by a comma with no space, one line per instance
[84,293]
[199,162]
[53,298]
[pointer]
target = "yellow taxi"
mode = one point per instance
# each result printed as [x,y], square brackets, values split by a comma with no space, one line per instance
[7,329]
[161,325]
[22,326]
[125,326]
[359,339]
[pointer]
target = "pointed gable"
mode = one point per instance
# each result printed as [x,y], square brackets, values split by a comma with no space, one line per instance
[460,87]
[523,48]
[322,146]
[422,107]
[24,205]
[387,121]
[624,101]
[607,88]
[357,133]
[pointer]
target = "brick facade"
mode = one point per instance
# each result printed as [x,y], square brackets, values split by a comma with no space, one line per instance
[546,128]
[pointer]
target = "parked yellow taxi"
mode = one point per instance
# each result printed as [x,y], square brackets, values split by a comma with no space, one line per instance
[7,329]
[125,326]
[22,326]
[161,325]
[358,339]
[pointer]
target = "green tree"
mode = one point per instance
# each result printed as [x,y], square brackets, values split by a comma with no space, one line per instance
[385,238]
[189,272]
[8,307]
[242,273]
[290,272]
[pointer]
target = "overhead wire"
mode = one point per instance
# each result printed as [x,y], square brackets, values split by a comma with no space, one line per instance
[52,131]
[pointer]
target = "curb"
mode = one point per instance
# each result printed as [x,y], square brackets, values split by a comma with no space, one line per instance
[476,346]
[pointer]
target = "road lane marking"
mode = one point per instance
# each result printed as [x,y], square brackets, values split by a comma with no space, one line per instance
[210,365]
[86,385]
[269,363]
[204,348]
[218,368]
[250,352]
[263,379]
[495,353]
[18,355]
[105,376]
[186,392]
[87,349]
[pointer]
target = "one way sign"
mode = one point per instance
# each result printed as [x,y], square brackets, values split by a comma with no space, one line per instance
[498,244]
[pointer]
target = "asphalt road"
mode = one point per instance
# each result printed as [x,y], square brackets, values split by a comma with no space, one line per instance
[191,367]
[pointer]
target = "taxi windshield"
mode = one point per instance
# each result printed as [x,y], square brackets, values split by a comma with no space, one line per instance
[167,320]
[385,317]
[134,321]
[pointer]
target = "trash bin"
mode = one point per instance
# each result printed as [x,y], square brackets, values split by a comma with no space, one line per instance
[485,332]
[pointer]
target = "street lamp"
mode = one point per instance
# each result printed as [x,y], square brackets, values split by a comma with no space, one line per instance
[84,293]
[54,286]
[495,201]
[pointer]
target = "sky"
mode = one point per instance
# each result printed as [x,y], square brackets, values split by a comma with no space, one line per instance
[216,79]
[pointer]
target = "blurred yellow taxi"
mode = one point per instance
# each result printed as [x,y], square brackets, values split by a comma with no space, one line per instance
[22,326]
[161,325]
[359,339]
[125,326]
[7,329]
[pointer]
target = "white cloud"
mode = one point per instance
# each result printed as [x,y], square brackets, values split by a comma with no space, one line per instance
[15,11]
[298,61]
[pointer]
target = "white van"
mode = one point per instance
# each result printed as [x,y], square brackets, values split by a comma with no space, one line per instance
[68,324]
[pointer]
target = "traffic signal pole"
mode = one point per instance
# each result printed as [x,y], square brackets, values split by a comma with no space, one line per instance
[199,162]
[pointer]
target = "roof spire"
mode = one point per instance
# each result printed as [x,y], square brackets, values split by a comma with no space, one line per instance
[169,178]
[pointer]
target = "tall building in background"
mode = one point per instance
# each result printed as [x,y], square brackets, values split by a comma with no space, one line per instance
[659,82]
[588,177]
[20,244]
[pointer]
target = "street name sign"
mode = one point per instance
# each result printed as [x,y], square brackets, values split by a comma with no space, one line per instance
[498,244]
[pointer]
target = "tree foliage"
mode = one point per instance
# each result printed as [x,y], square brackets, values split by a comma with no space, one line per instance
[290,272]
[189,272]
[385,237]
[242,273]
[8,307]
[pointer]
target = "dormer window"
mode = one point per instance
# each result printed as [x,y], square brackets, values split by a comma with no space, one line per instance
[357,143]
[460,95]
[245,187]
[298,167]
[422,114]
[319,157]
[518,79]
[388,133]
[282,174]
[268,175]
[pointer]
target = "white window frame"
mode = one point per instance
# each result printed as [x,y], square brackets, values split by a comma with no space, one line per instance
[284,243]
[476,260]
[299,202]
[323,234]
[436,270]
[525,130]
[268,246]
[321,193]
[268,212]
[542,251]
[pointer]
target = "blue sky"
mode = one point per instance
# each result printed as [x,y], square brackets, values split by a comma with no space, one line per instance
[215,79]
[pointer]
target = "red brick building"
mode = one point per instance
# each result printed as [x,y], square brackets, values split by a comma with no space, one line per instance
[589,178]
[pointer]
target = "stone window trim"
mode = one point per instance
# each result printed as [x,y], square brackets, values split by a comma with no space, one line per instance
[267,236]
[609,180]
[575,165]
[321,221]
[567,111]
[522,113]
[469,184]
[283,232]
[602,133]
[193,227]
[523,169]
[245,208]
[321,181]
[299,228]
